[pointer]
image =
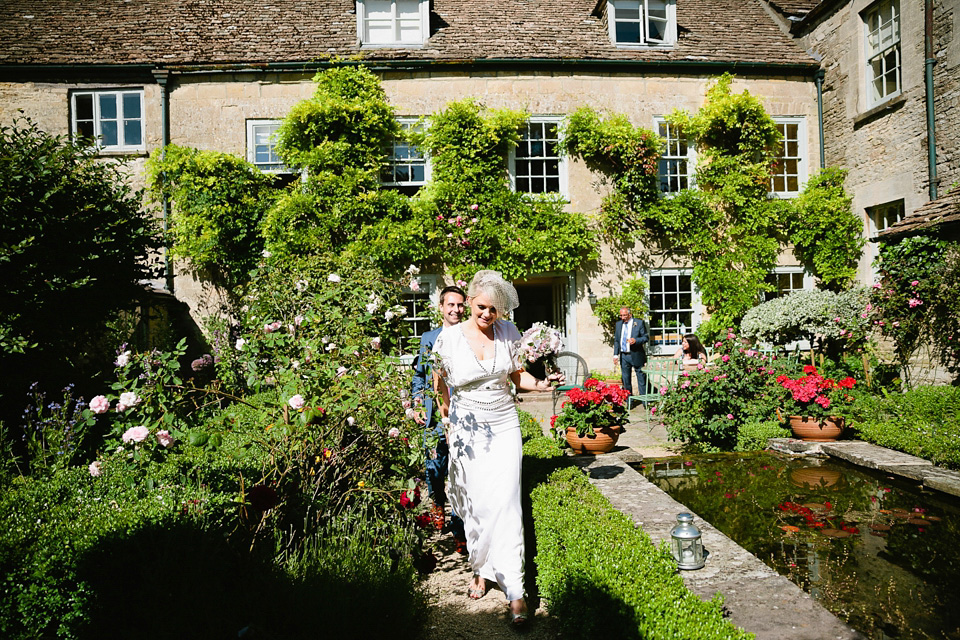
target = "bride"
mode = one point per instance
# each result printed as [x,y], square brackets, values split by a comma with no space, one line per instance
[475,364]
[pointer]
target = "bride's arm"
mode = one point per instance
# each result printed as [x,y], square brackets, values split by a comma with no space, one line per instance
[526,382]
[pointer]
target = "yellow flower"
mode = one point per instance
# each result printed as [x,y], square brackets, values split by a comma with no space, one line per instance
[361,484]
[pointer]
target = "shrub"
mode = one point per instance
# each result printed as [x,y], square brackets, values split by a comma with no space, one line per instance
[706,408]
[73,246]
[753,436]
[632,296]
[603,577]
[924,422]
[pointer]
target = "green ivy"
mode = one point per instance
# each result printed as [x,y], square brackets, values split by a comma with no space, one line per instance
[219,200]
[632,296]
[728,228]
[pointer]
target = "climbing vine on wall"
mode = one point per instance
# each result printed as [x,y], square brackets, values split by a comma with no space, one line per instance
[728,228]
[465,219]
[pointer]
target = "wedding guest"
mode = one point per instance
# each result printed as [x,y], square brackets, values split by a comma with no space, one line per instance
[691,352]
[630,335]
[478,360]
[452,300]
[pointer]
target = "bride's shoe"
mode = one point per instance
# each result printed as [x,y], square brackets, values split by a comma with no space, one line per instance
[476,591]
[519,618]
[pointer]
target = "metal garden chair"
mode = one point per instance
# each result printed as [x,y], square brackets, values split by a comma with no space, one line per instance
[575,371]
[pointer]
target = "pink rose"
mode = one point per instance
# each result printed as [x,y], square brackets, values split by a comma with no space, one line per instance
[99,404]
[394,432]
[135,434]
[95,469]
[725,358]
[731,336]
[165,439]
[914,302]
[474,207]
[729,416]
[414,285]
[914,283]
[341,371]
[127,400]
[409,414]
[375,342]
[296,402]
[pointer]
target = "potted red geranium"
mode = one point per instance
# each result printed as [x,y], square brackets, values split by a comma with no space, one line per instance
[813,403]
[592,418]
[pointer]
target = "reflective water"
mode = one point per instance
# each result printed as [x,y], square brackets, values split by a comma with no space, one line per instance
[877,551]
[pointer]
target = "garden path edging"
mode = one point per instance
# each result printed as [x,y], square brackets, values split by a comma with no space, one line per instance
[876,457]
[758,599]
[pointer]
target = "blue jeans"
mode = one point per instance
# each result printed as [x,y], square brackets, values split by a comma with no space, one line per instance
[436,476]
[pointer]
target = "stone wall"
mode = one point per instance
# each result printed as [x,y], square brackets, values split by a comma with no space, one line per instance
[885,147]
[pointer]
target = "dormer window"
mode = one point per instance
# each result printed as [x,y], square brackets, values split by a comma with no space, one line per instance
[642,23]
[393,23]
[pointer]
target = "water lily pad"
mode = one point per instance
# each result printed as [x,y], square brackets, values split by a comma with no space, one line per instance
[879,534]
[919,521]
[789,528]
[835,533]
[880,527]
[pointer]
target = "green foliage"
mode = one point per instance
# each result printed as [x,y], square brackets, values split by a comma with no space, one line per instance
[73,246]
[632,296]
[53,432]
[603,577]
[924,422]
[626,154]
[916,302]
[345,126]
[826,234]
[753,436]
[705,409]
[833,323]
[219,201]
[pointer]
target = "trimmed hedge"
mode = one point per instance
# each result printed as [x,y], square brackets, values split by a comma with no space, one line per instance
[602,577]
[924,422]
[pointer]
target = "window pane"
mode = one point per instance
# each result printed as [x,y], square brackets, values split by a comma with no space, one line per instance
[108,133]
[628,31]
[132,134]
[408,9]
[378,9]
[131,105]
[108,106]
[628,10]
[85,129]
[84,106]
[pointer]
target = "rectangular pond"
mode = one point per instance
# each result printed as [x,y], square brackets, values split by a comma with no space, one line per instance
[878,551]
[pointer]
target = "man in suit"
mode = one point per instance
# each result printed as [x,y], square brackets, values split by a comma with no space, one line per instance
[452,300]
[629,338]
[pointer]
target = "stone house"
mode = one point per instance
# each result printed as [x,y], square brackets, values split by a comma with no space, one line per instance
[891,100]
[220,74]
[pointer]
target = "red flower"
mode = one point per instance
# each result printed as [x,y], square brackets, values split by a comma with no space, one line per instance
[809,369]
[410,499]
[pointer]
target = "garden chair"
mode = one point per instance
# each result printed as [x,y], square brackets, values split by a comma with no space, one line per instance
[575,371]
[659,373]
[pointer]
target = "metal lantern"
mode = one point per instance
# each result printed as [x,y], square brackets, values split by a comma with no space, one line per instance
[685,544]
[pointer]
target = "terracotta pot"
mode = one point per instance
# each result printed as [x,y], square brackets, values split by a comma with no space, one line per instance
[815,477]
[601,441]
[809,429]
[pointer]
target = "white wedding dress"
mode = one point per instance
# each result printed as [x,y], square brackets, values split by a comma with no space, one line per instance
[485,453]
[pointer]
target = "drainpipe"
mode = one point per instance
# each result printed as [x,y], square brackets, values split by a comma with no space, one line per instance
[163,76]
[819,79]
[931,133]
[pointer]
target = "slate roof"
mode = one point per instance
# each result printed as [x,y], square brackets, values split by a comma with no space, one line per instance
[794,8]
[224,32]
[939,213]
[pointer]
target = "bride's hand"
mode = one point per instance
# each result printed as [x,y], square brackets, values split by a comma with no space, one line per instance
[556,378]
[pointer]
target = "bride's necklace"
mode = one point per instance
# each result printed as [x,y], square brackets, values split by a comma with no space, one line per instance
[493,365]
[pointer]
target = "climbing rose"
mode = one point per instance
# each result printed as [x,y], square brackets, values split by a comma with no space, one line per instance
[333,277]
[135,434]
[94,468]
[296,402]
[394,432]
[99,404]
[375,342]
[123,359]
[128,399]
[164,438]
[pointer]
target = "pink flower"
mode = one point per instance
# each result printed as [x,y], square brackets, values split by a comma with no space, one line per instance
[914,283]
[725,358]
[653,410]
[99,404]
[375,342]
[440,217]
[296,402]
[409,414]
[474,207]
[135,434]
[876,285]
[717,345]
[341,371]
[869,307]
[414,285]
[729,416]
[165,439]
[731,336]
[394,432]
[271,327]
[127,400]
[461,283]
[95,469]
[896,323]
[914,302]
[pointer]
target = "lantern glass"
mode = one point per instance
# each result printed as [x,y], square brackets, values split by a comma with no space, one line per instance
[685,543]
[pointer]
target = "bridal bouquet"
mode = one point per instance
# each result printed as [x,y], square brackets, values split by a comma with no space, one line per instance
[538,348]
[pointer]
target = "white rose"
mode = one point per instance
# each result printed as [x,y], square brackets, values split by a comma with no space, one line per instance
[240,343]
[333,277]
[123,359]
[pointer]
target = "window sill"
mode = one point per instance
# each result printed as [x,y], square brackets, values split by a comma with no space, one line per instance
[891,105]
[392,45]
[644,47]
[111,153]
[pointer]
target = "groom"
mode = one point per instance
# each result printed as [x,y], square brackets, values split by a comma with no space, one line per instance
[452,300]
[629,338]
